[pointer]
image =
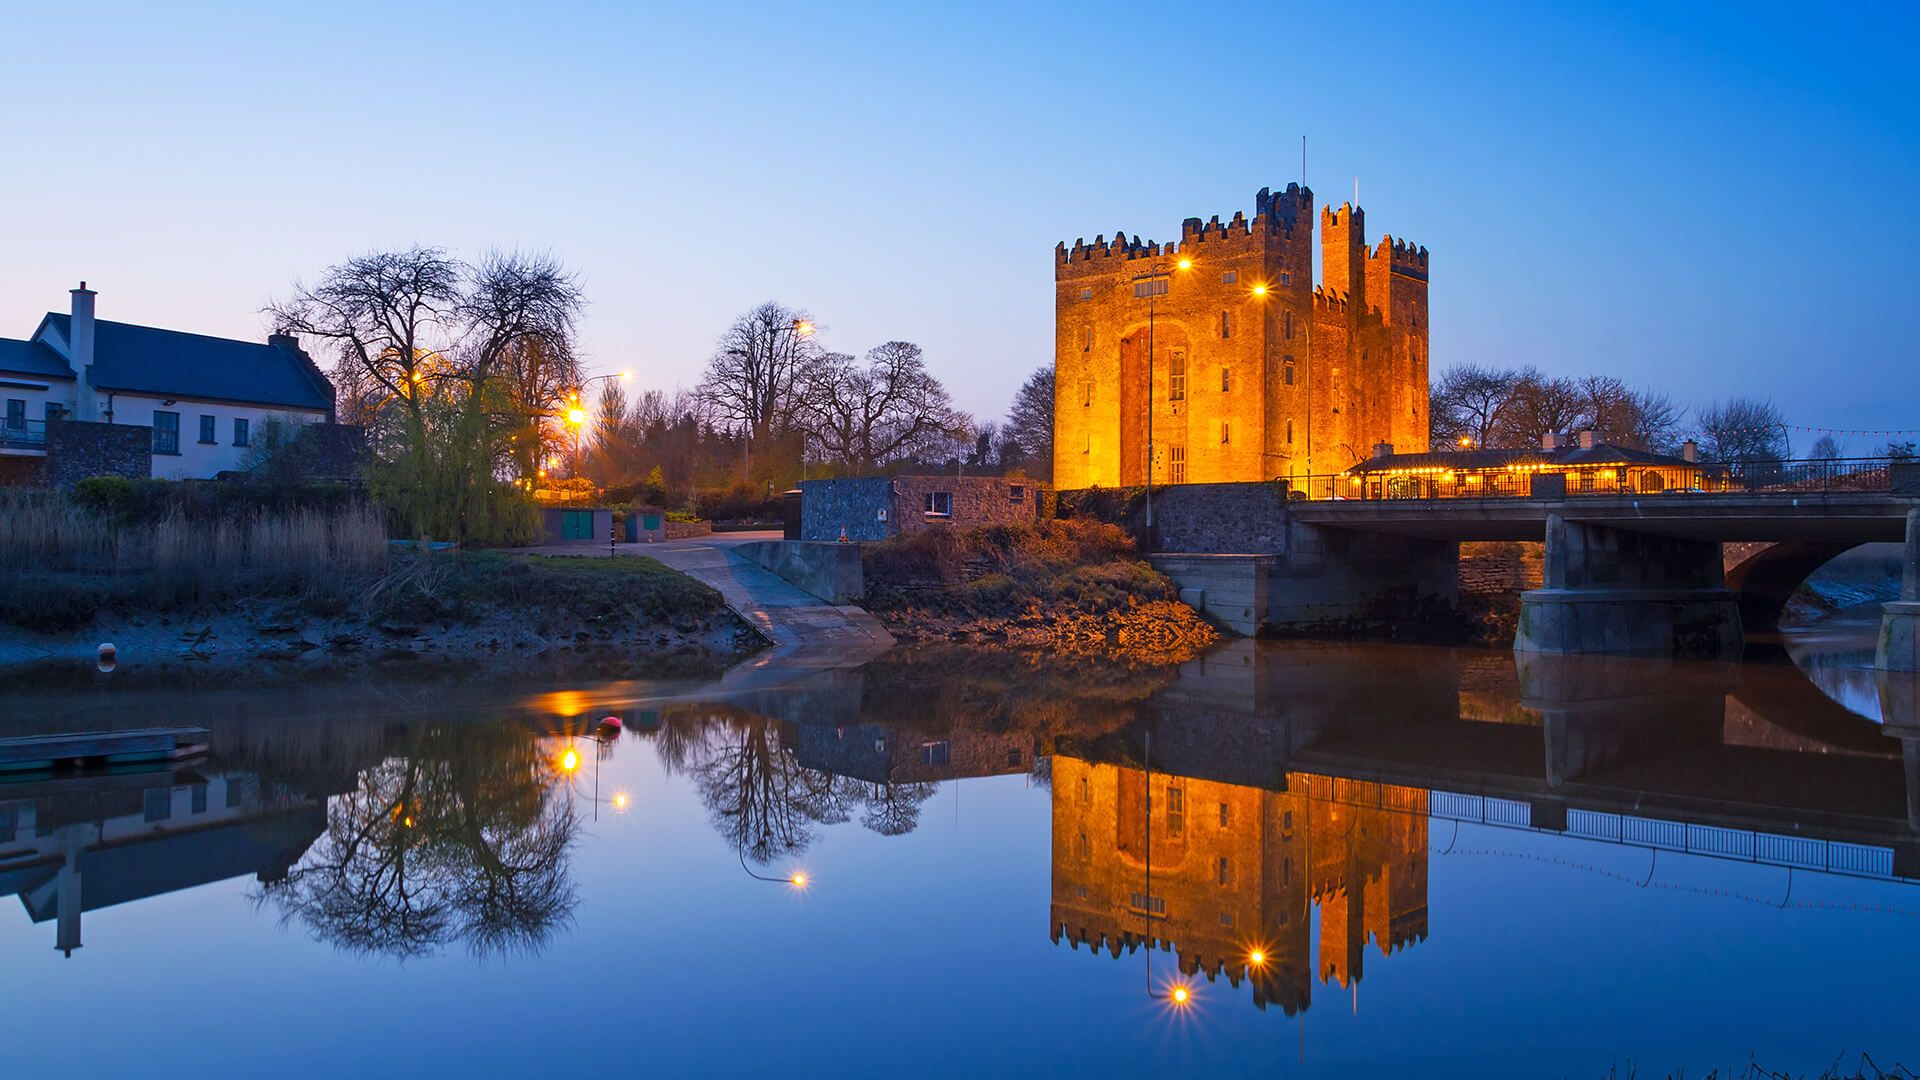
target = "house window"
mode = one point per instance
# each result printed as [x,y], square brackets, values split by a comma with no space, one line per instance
[166,432]
[1226,380]
[1153,286]
[1226,324]
[17,413]
[1013,759]
[1177,464]
[199,798]
[935,753]
[55,410]
[1086,294]
[1177,376]
[242,432]
[1226,433]
[1016,493]
[1286,372]
[1176,810]
[1223,871]
[1229,277]
[157,804]
[1086,393]
[939,504]
[206,429]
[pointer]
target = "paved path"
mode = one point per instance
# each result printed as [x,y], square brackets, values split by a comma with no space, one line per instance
[808,634]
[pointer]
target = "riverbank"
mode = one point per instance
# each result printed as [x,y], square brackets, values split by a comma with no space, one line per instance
[1076,587]
[485,609]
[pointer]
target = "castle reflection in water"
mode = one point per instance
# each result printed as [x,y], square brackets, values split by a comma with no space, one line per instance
[1259,816]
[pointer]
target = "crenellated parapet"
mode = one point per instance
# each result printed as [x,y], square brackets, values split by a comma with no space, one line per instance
[1275,216]
[1401,256]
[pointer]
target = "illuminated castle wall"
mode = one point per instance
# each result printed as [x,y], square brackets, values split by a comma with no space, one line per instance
[1256,372]
[1236,868]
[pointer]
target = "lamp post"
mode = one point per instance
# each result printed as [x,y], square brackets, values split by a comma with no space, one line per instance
[1153,274]
[576,414]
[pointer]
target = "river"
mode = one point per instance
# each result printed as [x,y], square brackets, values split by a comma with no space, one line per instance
[1322,860]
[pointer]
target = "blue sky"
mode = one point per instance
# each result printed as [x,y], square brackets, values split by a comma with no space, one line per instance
[1695,197]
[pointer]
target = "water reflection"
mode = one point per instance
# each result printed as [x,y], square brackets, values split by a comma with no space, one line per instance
[1265,815]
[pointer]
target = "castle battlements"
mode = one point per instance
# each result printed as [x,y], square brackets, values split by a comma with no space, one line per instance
[1402,255]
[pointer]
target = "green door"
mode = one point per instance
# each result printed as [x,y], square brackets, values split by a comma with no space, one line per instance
[576,524]
[650,522]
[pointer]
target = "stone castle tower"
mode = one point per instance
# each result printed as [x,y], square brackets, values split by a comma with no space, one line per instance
[1257,373]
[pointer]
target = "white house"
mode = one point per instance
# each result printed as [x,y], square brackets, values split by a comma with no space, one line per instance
[205,398]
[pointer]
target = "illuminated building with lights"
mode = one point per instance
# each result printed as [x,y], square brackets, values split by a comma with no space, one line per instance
[1557,468]
[1238,870]
[1256,372]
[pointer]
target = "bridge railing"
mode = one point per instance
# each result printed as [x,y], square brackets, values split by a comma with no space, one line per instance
[1702,480]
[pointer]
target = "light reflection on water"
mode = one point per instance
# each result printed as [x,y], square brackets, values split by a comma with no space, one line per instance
[1345,856]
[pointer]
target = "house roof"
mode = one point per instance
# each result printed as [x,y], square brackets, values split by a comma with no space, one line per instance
[32,358]
[149,360]
[1569,457]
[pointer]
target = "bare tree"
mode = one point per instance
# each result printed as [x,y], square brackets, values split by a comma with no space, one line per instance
[758,370]
[1657,423]
[1539,406]
[887,409]
[1467,405]
[1029,427]
[1742,429]
[1824,449]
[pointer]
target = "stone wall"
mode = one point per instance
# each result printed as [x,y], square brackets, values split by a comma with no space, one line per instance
[876,507]
[859,505]
[1499,568]
[1242,519]
[77,449]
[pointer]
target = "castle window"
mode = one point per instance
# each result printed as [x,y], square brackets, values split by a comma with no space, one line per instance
[1016,493]
[1226,324]
[1150,286]
[1288,317]
[1286,373]
[1153,905]
[1177,376]
[1226,918]
[1286,279]
[1086,392]
[1289,433]
[1088,448]
[1223,815]
[1223,871]
[1177,464]
[1226,380]
[1086,294]
[1086,791]
[939,504]
[935,753]
[1086,340]
[1086,847]
[1226,433]
[1176,801]
[1229,277]
[1080,892]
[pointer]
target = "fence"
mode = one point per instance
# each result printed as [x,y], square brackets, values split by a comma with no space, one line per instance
[1532,481]
[17,433]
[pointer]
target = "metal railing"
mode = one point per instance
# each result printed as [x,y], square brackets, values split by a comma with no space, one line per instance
[1811,476]
[23,434]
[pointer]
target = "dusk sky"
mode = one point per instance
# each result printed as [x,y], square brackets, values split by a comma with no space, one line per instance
[1696,199]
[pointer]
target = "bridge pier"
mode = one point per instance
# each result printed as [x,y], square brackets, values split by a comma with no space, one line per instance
[1612,590]
[1900,620]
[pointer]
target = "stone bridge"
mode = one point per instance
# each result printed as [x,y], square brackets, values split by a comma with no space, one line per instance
[1622,573]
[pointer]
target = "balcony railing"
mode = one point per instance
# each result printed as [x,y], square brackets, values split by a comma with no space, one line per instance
[22,434]
[1813,476]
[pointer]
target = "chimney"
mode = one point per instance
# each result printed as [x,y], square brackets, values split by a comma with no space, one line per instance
[1586,440]
[1690,450]
[1383,449]
[284,341]
[1550,441]
[80,352]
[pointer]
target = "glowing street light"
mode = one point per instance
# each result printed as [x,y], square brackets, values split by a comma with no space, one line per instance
[1257,958]
[1259,290]
[1180,996]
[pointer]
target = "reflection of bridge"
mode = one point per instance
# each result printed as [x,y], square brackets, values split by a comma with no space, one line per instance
[1622,573]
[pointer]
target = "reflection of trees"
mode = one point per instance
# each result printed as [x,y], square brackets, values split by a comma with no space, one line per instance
[462,836]
[763,801]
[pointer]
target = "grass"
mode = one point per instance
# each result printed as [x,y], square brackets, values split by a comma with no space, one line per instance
[548,591]
[1008,569]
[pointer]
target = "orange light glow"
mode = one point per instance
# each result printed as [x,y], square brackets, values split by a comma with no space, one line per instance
[797,880]
[803,328]
[1257,958]
[1181,995]
[1466,440]
[1186,264]
[626,374]
[620,800]
[1259,290]
[569,761]
[576,417]
[407,821]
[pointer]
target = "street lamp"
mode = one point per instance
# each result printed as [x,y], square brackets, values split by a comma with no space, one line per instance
[576,414]
[1155,272]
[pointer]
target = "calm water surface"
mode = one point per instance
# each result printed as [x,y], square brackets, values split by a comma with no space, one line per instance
[1445,861]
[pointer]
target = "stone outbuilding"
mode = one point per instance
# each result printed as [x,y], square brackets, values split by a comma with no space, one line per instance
[878,507]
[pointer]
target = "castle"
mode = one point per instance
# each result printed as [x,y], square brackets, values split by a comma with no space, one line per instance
[1257,373]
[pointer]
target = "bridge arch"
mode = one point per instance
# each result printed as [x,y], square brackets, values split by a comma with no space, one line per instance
[1764,576]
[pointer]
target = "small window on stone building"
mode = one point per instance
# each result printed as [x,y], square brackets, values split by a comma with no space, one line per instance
[1087,448]
[1289,432]
[206,429]
[1226,433]
[1177,376]
[1229,277]
[1153,286]
[1086,392]
[1016,493]
[1226,380]
[1226,324]
[1363,354]
[1086,791]
[1226,918]
[934,753]
[1086,294]
[1223,871]
[1086,340]
[1177,464]
[1013,759]
[1286,319]
[1223,815]
[1286,372]
[1085,846]
[1079,892]
[1176,807]
[939,504]
[1286,279]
